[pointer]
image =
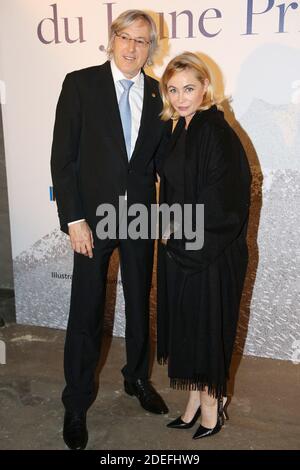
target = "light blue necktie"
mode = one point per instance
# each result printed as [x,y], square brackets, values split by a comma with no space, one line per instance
[125,113]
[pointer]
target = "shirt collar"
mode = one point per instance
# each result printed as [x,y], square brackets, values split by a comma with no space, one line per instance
[118,75]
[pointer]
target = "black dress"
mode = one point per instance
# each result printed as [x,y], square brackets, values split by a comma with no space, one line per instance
[199,292]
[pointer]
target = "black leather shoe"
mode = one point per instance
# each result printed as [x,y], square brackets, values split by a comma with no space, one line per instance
[149,399]
[178,423]
[205,432]
[75,432]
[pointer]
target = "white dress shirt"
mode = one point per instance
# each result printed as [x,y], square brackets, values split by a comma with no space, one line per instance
[136,99]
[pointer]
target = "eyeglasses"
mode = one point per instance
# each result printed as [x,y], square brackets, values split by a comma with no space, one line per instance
[140,42]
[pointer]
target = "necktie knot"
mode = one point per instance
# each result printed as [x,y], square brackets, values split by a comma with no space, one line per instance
[126,84]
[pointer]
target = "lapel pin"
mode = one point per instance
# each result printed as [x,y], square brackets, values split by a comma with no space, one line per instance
[153,95]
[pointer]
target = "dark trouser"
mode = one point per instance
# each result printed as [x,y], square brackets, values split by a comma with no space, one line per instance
[85,325]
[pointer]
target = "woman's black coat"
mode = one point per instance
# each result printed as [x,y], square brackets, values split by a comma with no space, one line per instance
[217,175]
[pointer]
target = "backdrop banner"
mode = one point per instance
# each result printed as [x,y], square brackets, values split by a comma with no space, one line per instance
[253,50]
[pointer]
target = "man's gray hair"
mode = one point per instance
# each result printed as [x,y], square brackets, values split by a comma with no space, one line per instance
[124,20]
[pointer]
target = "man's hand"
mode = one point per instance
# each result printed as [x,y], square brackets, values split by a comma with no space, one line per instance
[81,238]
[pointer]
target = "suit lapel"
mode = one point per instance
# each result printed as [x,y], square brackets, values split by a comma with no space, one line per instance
[111,112]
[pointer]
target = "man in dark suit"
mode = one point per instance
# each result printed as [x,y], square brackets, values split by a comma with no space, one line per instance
[107,138]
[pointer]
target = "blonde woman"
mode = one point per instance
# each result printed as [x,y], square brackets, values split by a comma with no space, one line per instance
[199,290]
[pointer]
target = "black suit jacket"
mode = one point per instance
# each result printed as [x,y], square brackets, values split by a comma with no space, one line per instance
[89,163]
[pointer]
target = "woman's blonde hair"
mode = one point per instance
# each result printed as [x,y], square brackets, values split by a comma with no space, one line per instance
[185,61]
[126,19]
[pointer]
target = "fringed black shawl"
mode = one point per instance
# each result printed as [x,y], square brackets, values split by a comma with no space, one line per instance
[216,174]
